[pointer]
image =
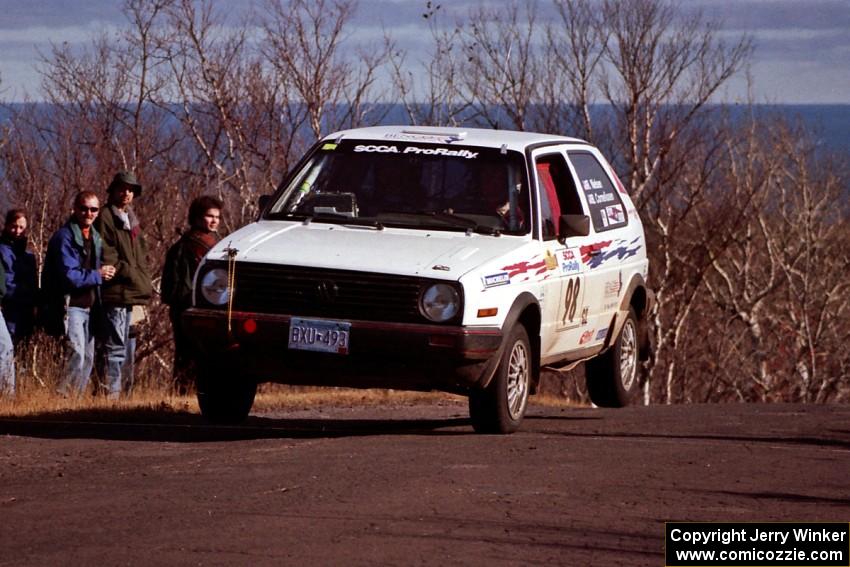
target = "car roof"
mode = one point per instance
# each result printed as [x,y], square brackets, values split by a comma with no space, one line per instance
[481,137]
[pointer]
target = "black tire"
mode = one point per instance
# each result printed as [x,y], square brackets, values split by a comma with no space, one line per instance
[224,397]
[500,407]
[612,377]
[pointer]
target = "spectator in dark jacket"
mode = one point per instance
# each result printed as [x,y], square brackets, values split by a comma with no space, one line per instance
[21,276]
[71,279]
[124,246]
[181,262]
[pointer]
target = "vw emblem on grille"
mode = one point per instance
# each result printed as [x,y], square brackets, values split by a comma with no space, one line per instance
[328,291]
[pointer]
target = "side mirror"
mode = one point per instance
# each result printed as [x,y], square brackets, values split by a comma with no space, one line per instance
[574,225]
[263,201]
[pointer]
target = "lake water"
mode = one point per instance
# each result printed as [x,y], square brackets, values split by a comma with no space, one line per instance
[828,123]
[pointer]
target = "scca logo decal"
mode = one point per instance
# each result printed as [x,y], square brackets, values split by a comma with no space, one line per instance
[378,149]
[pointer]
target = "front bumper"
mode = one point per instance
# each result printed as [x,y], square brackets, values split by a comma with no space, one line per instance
[381,354]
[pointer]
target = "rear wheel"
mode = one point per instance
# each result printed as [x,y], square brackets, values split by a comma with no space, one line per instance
[500,407]
[224,398]
[612,377]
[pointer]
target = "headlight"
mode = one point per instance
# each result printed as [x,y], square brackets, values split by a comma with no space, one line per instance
[214,286]
[439,302]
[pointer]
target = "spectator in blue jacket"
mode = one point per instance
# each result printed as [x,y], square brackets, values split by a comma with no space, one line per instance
[7,351]
[21,276]
[71,280]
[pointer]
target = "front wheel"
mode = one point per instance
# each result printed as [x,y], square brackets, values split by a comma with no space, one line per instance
[612,377]
[223,397]
[500,407]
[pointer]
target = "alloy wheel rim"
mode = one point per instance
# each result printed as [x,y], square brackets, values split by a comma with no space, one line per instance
[628,355]
[518,378]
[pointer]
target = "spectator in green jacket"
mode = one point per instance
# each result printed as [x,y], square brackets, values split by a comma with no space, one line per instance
[124,247]
[181,262]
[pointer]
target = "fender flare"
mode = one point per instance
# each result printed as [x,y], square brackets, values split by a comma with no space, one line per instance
[637,284]
[522,301]
[518,308]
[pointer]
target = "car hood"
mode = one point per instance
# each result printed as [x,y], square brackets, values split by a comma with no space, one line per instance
[427,253]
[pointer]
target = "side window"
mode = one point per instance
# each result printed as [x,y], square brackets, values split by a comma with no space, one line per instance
[606,208]
[558,195]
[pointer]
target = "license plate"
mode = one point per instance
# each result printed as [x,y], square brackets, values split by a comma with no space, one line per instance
[320,336]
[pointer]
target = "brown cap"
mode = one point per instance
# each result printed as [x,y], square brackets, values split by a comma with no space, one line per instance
[125,178]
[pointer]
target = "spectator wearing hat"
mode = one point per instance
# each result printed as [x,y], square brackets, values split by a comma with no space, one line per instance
[124,247]
[181,262]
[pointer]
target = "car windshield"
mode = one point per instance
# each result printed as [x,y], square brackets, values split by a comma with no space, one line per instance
[434,186]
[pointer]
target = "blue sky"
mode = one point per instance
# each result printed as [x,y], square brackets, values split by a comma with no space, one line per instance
[802,46]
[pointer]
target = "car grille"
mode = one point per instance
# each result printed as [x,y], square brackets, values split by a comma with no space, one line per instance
[338,294]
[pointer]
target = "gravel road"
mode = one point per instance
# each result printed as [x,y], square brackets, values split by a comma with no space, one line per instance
[408,484]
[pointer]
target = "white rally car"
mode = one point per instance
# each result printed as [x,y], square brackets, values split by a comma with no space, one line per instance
[417,258]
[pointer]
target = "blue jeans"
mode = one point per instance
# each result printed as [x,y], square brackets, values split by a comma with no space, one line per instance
[128,371]
[79,356]
[117,334]
[7,360]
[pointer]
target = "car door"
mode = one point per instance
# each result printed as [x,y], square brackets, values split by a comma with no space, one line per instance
[606,249]
[565,312]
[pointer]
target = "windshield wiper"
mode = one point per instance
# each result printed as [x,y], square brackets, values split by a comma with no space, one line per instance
[451,218]
[458,220]
[338,218]
[484,229]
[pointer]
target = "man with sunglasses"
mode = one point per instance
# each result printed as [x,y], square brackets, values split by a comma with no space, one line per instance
[71,280]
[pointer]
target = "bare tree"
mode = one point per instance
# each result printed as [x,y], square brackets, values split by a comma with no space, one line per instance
[576,45]
[428,91]
[662,69]
[207,66]
[783,281]
[304,41]
[498,77]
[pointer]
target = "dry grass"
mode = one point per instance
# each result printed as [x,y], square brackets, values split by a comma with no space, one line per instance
[272,397]
[39,365]
[46,402]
